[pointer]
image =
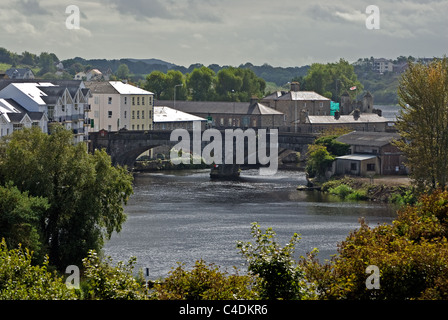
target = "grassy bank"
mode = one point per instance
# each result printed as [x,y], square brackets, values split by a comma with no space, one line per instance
[382,190]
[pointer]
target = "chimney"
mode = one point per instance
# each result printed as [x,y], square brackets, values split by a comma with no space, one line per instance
[253,100]
[295,86]
[337,115]
[356,114]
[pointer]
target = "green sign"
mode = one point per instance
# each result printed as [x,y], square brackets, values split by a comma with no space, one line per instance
[209,119]
[334,106]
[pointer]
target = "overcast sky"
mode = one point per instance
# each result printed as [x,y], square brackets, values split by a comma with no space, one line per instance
[226,32]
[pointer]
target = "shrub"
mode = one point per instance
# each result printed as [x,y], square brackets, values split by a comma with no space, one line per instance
[411,254]
[20,280]
[204,282]
[103,280]
[279,275]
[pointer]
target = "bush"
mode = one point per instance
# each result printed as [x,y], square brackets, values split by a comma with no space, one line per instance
[20,280]
[204,282]
[279,275]
[341,190]
[105,281]
[411,254]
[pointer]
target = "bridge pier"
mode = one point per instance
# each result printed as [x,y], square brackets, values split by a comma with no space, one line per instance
[225,172]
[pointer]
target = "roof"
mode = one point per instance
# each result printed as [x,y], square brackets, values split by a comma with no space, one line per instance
[220,107]
[363,118]
[17,73]
[100,87]
[167,114]
[357,157]
[367,138]
[125,88]
[37,116]
[296,96]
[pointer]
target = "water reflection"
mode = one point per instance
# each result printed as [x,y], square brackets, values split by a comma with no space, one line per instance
[184,216]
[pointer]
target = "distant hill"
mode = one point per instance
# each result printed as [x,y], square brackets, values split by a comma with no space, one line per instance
[153,61]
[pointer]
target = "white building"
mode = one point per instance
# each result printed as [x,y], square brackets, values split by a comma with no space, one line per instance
[116,105]
[166,118]
[63,101]
[383,65]
[12,119]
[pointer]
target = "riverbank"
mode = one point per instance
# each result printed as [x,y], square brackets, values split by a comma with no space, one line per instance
[390,189]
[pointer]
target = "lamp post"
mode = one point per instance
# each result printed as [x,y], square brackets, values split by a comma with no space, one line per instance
[177,85]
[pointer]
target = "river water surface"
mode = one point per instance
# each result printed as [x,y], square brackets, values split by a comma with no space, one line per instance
[183,216]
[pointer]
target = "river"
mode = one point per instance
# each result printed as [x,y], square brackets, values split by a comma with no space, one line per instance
[183,216]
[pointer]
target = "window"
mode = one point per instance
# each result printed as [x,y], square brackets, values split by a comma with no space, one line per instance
[138,101]
[109,128]
[321,104]
[109,114]
[132,127]
[109,101]
[138,127]
[133,101]
[143,127]
[221,122]
[370,167]
[353,166]
[143,101]
[143,114]
[125,114]
[133,114]
[138,114]
[96,100]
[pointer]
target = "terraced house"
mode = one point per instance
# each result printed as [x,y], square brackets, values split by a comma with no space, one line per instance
[62,101]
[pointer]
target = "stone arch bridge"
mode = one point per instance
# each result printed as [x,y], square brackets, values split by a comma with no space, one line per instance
[125,146]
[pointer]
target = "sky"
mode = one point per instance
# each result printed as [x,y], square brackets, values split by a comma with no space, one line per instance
[283,33]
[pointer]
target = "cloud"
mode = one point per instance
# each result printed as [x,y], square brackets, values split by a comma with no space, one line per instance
[31,7]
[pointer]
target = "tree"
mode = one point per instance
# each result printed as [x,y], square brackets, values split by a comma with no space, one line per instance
[122,72]
[318,161]
[47,63]
[156,83]
[423,122]
[19,218]
[332,79]
[201,83]
[85,192]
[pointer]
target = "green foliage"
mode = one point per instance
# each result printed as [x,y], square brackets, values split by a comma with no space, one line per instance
[123,72]
[333,146]
[20,280]
[104,281]
[19,218]
[332,79]
[204,282]
[318,160]
[85,192]
[423,123]
[411,254]
[201,82]
[280,277]
[229,84]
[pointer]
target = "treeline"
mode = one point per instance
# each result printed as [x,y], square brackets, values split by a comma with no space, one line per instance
[203,84]
[326,79]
